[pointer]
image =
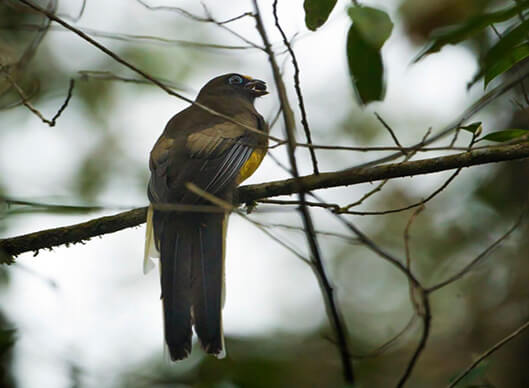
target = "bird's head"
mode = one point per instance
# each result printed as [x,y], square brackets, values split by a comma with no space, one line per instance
[234,84]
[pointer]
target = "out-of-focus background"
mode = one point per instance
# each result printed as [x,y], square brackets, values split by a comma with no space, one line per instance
[86,316]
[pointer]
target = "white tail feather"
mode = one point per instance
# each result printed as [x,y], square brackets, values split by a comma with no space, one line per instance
[150,247]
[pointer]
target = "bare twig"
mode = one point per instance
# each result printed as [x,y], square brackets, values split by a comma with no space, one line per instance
[414,215]
[316,259]
[392,133]
[466,269]
[109,76]
[77,17]
[389,343]
[155,40]
[208,19]
[304,120]
[487,353]
[34,110]
[426,316]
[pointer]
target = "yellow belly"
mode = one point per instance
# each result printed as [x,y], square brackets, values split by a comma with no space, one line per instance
[251,165]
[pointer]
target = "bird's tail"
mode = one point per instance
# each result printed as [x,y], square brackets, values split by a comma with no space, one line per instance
[192,280]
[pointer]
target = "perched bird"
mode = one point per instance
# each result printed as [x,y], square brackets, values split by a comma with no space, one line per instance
[215,154]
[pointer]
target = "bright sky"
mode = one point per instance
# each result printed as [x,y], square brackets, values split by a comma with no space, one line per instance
[104,313]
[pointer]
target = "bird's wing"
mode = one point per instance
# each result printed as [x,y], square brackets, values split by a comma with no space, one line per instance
[210,158]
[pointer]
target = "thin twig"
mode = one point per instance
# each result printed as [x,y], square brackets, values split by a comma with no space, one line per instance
[487,353]
[207,19]
[427,320]
[466,269]
[34,110]
[317,262]
[109,76]
[392,133]
[304,120]
[414,215]
[139,39]
[389,343]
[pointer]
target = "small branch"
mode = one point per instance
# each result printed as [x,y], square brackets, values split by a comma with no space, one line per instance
[392,133]
[27,104]
[207,19]
[408,254]
[297,86]
[466,269]
[427,320]
[487,353]
[87,75]
[138,39]
[389,343]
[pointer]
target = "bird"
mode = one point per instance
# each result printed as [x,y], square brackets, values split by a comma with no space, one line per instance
[215,151]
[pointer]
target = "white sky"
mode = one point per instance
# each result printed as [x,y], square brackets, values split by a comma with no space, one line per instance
[104,314]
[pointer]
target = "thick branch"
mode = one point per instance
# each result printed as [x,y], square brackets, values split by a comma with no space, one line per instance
[99,226]
[395,170]
[46,239]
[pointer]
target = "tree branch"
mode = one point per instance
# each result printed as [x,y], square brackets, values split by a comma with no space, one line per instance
[395,170]
[81,232]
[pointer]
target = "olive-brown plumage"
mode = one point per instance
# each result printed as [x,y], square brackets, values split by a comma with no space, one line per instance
[216,155]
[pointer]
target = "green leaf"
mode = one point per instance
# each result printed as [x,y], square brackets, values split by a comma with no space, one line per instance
[317,12]
[365,66]
[503,64]
[457,33]
[473,127]
[508,134]
[507,42]
[374,24]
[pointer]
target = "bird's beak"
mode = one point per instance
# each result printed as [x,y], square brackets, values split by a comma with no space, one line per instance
[256,87]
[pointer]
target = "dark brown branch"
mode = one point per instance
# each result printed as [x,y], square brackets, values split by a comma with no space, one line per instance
[487,353]
[396,170]
[304,120]
[250,193]
[47,239]
[327,290]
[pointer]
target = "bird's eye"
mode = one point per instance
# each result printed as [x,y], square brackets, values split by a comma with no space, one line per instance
[235,80]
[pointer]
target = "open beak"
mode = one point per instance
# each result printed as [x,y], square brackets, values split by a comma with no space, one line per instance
[256,87]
